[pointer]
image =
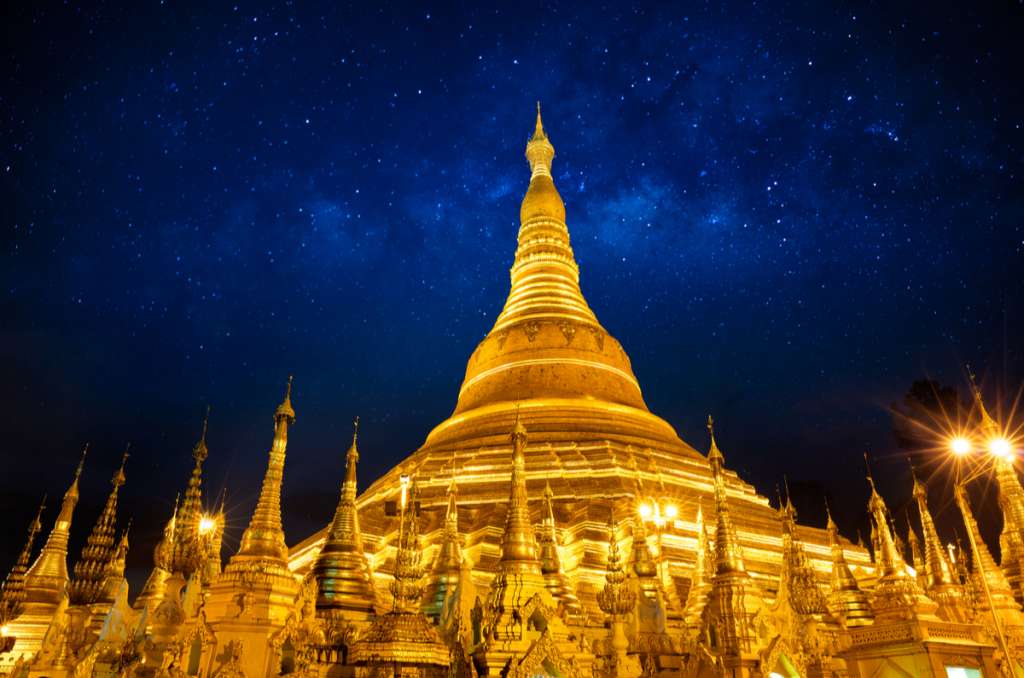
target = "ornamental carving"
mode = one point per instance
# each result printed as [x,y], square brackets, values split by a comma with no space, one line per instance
[568,331]
[232,668]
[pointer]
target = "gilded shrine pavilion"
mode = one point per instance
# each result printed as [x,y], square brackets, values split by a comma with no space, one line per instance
[551,526]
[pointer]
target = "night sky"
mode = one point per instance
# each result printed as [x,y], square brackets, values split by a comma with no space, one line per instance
[786,212]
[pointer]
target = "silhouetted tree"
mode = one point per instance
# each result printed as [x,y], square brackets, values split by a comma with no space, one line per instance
[927,409]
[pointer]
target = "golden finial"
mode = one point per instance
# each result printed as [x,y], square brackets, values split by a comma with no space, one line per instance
[518,429]
[539,153]
[81,462]
[351,458]
[538,132]
[200,451]
[284,410]
[37,524]
[353,450]
[867,467]
[919,489]
[830,524]
[988,424]
[788,507]
[714,453]
[119,477]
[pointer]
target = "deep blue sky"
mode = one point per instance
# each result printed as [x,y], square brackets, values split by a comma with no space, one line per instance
[786,212]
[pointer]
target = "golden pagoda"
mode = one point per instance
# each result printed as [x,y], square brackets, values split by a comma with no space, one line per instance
[548,361]
[255,595]
[499,547]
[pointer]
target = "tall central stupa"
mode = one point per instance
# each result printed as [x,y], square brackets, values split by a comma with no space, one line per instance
[550,362]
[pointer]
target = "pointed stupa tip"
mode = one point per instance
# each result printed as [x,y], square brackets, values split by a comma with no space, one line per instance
[120,478]
[81,462]
[540,153]
[714,452]
[988,424]
[871,479]
[830,524]
[37,524]
[284,410]
[73,488]
[353,449]
[919,490]
[200,451]
[518,428]
[352,456]
[549,508]
[538,131]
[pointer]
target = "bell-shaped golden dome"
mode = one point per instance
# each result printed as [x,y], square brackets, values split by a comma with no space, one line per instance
[547,349]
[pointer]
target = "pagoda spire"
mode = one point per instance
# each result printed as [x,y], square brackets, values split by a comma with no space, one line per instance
[518,577]
[728,555]
[798,585]
[518,545]
[263,539]
[550,562]
[985,568]
[734,599]
[343,576]
[700,579]
[616,599]
[939,578]
[444,577]
[405,587]
[188,547]
[888,559]
[847,601]
[87,585]
[897,593]
[991,591]
[545,276]
[12,595]
[1011,498]
[113,574]
[47,579]
[404,638]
